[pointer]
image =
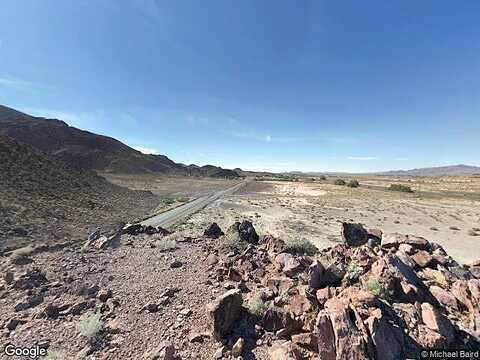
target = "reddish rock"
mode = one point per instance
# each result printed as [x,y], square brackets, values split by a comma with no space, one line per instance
[325,336]
[299,304]
[288,264]
[359,297]
[324,294]
[444,297]
[315,273]
[407,249]
[417,242]
[392,240]
[410,292]
[273,245]
[349,341]
[388,338]
[422,258]
[430,339]
[435,321]
[306,340]
[280,285]
[285,351]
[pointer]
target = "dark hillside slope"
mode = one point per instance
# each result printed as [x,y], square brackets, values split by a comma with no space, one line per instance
[42,199]
[92,151]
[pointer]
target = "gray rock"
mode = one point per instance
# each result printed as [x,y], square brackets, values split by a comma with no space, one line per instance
[223,312]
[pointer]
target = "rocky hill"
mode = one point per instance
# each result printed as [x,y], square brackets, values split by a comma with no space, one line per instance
[44,199]
[147,294]
[91,151]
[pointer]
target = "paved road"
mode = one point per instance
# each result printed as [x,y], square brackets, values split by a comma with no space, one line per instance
[170,217]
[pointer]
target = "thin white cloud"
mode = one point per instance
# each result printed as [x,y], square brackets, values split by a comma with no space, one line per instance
[146,150]
[362,158]
[198,120]
[257,136]
[19,84]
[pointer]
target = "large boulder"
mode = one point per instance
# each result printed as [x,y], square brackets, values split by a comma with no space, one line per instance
[388,338]
[435,321]
[273,245]
[288,264]
[285,351]
[247,232]
[213,231]
[223,312]
[315,274]
[354,234]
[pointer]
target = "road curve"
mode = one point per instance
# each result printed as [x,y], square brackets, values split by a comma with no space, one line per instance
[170,217]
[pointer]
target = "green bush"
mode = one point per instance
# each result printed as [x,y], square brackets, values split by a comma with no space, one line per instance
[340,182]
[322,177]
[401,188]
[91,326]
[353,183]
[166,244]
[354,272]
[168,201]
[300,247]
[257,307]
[378,289]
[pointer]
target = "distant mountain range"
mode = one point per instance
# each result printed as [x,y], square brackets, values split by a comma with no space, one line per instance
[91,151]
[451,170]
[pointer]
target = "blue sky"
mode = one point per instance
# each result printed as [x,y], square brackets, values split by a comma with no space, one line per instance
[276,85]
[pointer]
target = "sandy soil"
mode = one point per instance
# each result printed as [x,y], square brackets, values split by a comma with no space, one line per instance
[315,210]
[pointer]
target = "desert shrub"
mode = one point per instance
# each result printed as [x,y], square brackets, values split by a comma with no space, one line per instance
[257,306]
[182,199]
[300,246]
[353,183]
[401,188]
[322,177]
[354,272]
[91,326]
[476,229]
[340,182]
[454,228]
[434,228]
[56,355]
[166,244]
[25,251]
[168,201]
[378,289]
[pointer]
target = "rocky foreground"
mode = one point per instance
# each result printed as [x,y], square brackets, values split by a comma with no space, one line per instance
[144,293]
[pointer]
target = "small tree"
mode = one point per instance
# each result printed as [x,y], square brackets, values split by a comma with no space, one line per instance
[353,183]
[401,188]
[340,182]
